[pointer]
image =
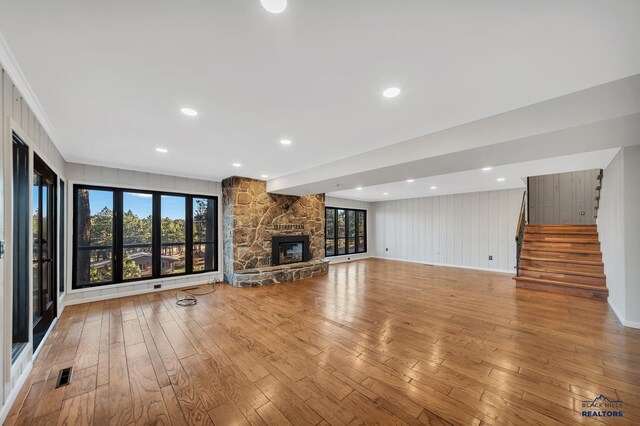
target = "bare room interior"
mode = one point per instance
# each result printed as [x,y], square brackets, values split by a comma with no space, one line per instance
[297,212]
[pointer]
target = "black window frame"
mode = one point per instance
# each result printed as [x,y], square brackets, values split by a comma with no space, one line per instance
[346,231]
[22,216]
[117,235]
[62,237]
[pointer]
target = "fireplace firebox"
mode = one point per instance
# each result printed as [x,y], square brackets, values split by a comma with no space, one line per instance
[289,249]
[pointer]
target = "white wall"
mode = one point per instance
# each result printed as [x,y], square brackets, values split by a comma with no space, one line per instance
[611,230]
[632,233]
[16,116]
[106,176]
[361,205]
[457,230]
[619,228]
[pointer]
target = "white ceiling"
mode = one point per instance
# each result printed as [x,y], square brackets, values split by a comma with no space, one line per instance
[479,180]
[112,76]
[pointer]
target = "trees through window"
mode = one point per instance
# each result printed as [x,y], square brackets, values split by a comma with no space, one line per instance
[345,231]
[125,235]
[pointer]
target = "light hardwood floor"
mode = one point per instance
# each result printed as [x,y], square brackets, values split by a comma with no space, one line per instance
[373,342]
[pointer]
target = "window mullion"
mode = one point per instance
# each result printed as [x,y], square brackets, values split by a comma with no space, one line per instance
[188,225]
[156,236]
[118,236]
[364,229]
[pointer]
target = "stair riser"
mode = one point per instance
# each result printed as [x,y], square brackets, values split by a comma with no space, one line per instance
[576,279]
[561,260]
[595,257]
[588,246]
[598,269]
[561,232]
[561,236]
[565,226]
[589,294]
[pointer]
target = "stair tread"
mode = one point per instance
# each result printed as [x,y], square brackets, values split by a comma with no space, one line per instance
[565,225]
[550,232]
[574,261]
[563,284]
[563,271]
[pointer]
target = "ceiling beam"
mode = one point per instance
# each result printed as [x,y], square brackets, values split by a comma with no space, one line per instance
[601,117]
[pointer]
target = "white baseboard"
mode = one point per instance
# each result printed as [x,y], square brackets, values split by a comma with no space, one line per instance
[347,258]
[11,399]
[623,321]
[25,372]
[100,297]
[632,324]
[477,268]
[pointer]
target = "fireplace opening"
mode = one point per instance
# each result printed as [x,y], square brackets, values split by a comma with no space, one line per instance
[289,249]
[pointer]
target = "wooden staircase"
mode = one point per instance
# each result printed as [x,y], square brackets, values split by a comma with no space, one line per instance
[562,259]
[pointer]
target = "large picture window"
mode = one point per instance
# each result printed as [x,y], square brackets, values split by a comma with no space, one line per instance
[345,231]
[123,235]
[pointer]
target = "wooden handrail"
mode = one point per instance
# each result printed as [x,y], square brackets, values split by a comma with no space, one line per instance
[522,222]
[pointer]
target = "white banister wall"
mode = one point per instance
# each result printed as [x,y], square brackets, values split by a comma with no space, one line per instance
[619,229]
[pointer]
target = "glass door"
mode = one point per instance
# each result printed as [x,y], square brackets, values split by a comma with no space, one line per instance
[44,249]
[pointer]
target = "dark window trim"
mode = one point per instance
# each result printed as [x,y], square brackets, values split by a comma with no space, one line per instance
[346,231]
[62,238]
[21,190]
[118,248]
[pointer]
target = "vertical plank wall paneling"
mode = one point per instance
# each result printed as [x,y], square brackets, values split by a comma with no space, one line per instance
[14,107]
[3,309]
[562,197]
[457,230]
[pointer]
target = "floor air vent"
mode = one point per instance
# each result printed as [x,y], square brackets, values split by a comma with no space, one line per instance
[64,377]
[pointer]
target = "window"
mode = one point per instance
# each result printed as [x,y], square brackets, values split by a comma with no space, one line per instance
[173,231]
[125,235]
[137,235]
[345,231]
[21,218]
[61,258]
[204,213]
[94,237]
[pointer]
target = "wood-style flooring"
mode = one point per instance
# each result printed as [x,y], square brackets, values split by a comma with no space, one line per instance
[374,341]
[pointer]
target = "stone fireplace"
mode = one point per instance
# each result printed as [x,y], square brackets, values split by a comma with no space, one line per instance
[253,220]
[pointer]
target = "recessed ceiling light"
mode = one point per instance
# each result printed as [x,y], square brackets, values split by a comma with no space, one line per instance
[359,188]
[434,187]
[162,150]
[409,180]
[285,142]
[264,176]
[500,179]
[391,92]
[385,193]
[237,165]
[274,6]
[189,111]
[486,169]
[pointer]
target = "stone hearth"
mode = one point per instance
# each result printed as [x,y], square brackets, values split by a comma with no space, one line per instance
[252,216]
[280,273]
